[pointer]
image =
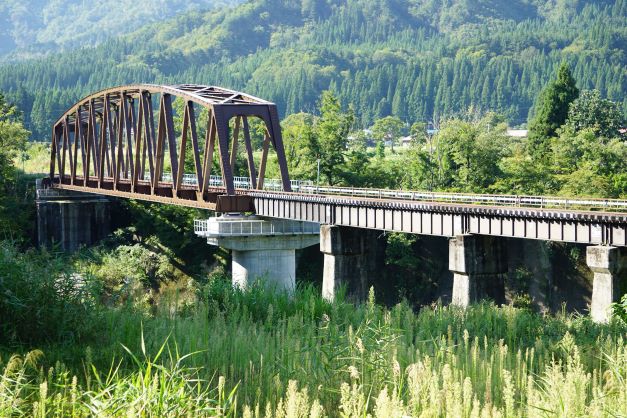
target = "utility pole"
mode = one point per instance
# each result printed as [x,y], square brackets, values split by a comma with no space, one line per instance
[318,178]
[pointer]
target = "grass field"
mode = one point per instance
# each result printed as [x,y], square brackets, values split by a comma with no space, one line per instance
[36,158]
[263,354]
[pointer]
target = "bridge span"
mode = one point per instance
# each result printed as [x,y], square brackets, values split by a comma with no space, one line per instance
[112,144]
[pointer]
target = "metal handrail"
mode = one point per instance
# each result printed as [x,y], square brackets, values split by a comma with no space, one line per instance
[243,227]
[240,182]
[466,198]
[309,188]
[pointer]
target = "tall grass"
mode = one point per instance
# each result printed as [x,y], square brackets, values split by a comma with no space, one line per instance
[263,353]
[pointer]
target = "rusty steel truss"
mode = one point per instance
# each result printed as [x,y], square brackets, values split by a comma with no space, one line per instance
[113,144]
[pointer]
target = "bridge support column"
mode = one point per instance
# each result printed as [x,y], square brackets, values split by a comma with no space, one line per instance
[478,267]
[261,249]
[71,219]
[608,265]
[351,257]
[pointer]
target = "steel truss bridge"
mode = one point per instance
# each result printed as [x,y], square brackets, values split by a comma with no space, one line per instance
[114,143]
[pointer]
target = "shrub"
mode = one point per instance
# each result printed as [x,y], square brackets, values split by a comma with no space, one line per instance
[619,309]
[40,299]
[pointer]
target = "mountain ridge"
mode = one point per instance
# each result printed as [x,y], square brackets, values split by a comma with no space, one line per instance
[385,57]
[30,28]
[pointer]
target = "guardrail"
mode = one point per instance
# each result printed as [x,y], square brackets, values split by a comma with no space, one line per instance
[308,187]
[244,227]
[464,198]
[240,182]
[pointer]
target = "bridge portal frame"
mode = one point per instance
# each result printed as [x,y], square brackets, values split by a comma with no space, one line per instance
[123,154]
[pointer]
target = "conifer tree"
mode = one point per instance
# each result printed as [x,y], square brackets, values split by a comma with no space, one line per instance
[330,136]
[552,110]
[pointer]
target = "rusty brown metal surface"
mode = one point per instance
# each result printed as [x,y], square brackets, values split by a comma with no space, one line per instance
[112,143]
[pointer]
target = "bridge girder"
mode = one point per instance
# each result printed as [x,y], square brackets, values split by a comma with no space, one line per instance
[113,144]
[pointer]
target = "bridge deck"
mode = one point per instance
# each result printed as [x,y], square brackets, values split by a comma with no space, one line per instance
[586,221]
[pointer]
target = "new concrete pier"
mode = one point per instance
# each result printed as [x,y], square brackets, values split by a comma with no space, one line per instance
[261,248]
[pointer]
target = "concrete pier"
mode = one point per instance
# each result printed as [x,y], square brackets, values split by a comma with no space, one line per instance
[530,271]
[608,265]
[261,248]
[71,219]
[351,258]
[478,267]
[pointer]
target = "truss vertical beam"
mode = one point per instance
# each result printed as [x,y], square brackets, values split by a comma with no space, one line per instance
[195,148]
[159,146]
[171,135]
[182,154]
[264,160]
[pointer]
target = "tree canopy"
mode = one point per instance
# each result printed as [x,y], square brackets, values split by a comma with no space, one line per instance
[13,138]
[591,111]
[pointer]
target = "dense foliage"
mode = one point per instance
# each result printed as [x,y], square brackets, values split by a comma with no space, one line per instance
[584,155]
[15,200]
[416,60]
[41,299]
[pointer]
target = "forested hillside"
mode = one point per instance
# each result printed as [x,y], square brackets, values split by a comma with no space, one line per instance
[418,59]
[37,27]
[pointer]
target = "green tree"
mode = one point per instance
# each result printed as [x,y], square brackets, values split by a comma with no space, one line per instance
[387,129]
[591,111]
[583,165]
[468,153]
[13,138]
[523,175]
[380,150]
[330,136]
[418,132]
[551,111]
[298,141]
[419,166]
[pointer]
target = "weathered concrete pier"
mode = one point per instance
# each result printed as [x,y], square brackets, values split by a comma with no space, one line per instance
[71,219]
[609,265]
[479,268]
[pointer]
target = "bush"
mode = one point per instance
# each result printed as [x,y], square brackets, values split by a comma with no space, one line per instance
[40,299]
[619,309]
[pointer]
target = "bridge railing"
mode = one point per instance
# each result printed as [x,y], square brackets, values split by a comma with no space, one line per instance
[240,182]
[309,188]
[465,198]
[247,227]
